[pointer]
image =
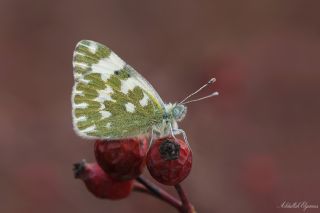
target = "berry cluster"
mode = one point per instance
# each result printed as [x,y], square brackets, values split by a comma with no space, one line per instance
[120,164]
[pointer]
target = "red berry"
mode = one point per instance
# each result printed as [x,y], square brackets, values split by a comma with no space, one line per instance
[169,160]
[122,159]
[100,183]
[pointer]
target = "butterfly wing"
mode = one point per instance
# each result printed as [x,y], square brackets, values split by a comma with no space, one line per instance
[110,100]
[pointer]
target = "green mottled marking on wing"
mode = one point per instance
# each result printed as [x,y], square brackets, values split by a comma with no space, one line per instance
[100,99]
[84,54]
[124,123]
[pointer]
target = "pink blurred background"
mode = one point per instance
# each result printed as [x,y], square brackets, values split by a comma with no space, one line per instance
[255,146]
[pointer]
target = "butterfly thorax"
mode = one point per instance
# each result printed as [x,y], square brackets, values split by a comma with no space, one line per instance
[173,113]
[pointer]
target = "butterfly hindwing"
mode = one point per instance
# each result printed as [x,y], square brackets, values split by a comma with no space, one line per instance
[109,98]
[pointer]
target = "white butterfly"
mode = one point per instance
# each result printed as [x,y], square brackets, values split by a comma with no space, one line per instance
[110,100]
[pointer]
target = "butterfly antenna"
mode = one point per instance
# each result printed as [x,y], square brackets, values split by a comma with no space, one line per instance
[199,99]
[211,81]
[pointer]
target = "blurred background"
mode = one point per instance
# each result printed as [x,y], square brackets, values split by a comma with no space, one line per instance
[254,146]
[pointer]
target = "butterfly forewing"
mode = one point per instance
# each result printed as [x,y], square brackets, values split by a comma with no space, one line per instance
[109,98]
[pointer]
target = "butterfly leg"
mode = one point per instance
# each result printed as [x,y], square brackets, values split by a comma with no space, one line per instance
[180,131]
[172,131]
[151,138]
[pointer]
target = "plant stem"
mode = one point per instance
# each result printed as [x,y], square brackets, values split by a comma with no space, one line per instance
[186,205]
[140,188]
[158,192]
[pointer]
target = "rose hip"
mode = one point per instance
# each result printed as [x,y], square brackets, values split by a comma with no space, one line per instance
[122,159]
[169,160]
[100,183]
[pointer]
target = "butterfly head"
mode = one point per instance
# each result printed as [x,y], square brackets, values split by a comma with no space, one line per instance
[179,111]
[176,112]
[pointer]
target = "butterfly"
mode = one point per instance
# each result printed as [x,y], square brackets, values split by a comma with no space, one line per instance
[111,100]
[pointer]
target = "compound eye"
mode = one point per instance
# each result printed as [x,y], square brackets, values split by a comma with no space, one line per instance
[175,111]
